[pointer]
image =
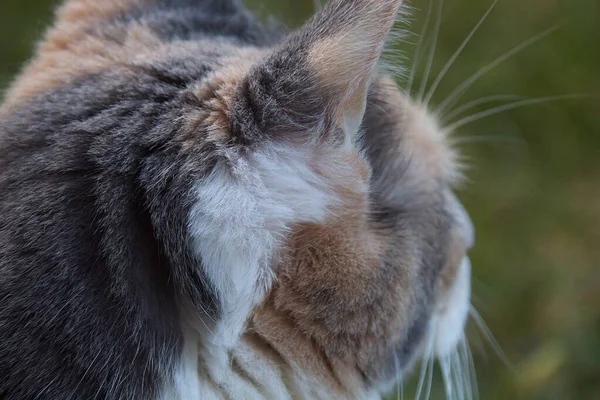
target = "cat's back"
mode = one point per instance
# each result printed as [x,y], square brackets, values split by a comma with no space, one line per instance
[93,113]
[180,38]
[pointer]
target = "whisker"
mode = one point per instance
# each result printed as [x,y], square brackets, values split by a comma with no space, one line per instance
[426,360]
[457,53]
[425,79]
[429,376]
[510,106]
[453,376]
[463,376]
[421,378]
[445,367]
[399,388]
[472,369]
[466,371]
[465,85]
[489,336]
[482,138]
[478,301]
[479,344]
[477,102]
[419,48]
[458,376]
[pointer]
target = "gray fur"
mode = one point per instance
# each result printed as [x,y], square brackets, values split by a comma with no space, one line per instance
[96,181]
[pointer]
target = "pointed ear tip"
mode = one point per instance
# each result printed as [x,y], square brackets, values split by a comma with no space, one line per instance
[338,50]
[349,54]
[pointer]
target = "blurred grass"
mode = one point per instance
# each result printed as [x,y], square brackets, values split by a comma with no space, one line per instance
[534,190]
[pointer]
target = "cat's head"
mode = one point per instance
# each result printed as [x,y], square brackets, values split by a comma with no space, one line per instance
[328,228]
[318,211]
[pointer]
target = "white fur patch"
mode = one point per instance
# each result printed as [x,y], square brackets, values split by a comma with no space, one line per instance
[242,212]
[450,324]
[185,383]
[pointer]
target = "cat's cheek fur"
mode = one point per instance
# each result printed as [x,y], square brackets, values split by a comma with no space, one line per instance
[240,219]
[450,323]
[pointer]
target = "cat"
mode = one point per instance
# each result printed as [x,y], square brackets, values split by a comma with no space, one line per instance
[196,205]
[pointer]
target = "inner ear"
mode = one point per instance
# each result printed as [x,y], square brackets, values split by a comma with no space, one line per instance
[353,111]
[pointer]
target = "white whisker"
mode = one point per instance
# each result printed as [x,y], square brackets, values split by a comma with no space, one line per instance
[475,103]
[429,376]
[445,367]
[418,49]
[457,53]
[452,376]
[455,382]
[466,373]
[425,79]
[399,387]
[463,382]
[460,385]
[421,378]
[489,336]
[472,370]
[465,85]
[462,352]
[479,344]
[510,106]
[482,138]
[428,354]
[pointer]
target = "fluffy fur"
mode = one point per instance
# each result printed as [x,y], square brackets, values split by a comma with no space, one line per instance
[196,206]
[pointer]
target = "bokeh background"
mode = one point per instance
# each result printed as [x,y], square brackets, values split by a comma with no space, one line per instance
[534,183]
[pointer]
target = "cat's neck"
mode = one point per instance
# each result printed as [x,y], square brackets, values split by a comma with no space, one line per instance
[253,369]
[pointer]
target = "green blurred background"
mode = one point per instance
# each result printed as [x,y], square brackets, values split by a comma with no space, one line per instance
[534,182]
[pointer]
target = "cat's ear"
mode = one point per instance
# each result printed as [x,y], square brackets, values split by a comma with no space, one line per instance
[315,84]
[320,76]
